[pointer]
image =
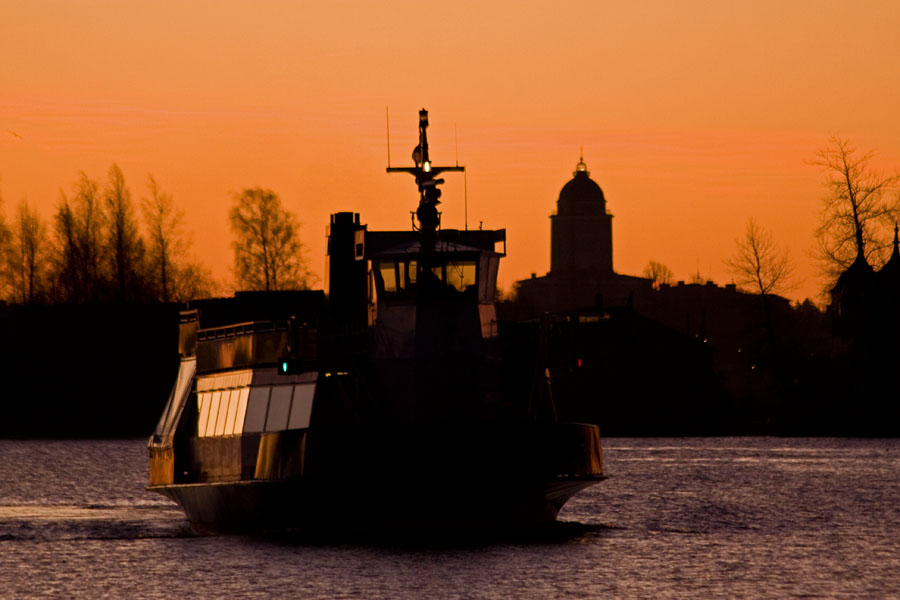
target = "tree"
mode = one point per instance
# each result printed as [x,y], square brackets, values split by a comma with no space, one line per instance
[267,249]
[79,248]
[125,248]
[67,278]
[165,239]
[758,263]
[4,249]
[173,275]
[659,274]
[191,280]
[90,221]
[26,255]
[857,217]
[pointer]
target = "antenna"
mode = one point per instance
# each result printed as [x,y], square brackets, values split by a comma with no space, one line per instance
[456,139]
[427,180]
[387,124]
[466,199]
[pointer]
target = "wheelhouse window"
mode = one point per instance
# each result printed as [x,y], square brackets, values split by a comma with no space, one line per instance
[461,275]
[388,276]
[397,279]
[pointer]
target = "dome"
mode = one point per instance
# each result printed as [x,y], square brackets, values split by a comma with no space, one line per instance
[581,195]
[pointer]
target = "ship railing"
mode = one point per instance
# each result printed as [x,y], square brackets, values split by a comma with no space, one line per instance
[239,329]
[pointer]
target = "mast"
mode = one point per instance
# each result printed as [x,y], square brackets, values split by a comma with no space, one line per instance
[427,181]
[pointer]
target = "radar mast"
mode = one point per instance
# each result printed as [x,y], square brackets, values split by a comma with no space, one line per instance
[427,181]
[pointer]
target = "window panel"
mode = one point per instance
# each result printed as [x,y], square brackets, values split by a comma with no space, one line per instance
[301,407]
[213,413]
[241,411]
[257,407]
[461,274]
[232,412]
[279,407]
[203,405]
[388,276]
[224,403]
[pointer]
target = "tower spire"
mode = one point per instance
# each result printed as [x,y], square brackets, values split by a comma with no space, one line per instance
[581,167]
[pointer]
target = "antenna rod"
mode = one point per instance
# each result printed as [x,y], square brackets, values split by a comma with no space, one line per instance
[387,124]
[466,199]
[456,139]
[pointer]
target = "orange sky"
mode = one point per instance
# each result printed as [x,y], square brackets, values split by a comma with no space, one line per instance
[694,116]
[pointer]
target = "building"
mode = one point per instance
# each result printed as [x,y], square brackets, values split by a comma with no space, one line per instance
[581,257]
[864,308]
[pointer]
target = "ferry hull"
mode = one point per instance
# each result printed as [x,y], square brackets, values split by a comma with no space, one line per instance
[413,506]
[394,480]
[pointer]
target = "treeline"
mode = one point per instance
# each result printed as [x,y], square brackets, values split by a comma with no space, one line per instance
[100,246]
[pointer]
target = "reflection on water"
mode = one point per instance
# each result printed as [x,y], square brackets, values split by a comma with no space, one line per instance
[719,517]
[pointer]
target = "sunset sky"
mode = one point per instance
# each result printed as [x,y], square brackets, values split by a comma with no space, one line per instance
[693,116]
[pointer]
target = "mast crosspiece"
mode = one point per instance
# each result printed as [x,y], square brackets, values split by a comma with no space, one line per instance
[427,181]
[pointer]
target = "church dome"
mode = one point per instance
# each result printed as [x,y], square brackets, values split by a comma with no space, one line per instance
[581,195]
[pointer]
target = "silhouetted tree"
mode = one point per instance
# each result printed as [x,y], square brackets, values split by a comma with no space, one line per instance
[267,249]
[67,284]
[89,225]
[78,253]
[856,216]
[26,255]
[125,248]
[659,273]
[758,263]
[172,273]
[192,280]
[166,239]
[4,249]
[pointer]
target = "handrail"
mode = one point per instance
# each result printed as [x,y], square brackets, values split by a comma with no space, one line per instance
[238,329]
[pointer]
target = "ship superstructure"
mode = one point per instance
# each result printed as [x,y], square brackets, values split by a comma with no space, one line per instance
[395,402]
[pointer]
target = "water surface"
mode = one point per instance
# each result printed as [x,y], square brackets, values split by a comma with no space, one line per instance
[678,518]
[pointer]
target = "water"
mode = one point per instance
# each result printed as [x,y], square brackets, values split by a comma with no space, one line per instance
[679,518]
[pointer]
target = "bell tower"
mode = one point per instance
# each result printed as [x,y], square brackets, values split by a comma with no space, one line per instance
[581,229]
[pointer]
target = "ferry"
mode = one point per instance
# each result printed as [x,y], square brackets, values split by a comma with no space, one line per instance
[392,403]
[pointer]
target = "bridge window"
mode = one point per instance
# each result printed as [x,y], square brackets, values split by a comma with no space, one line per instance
[461,275]
[388,272]
[398,279]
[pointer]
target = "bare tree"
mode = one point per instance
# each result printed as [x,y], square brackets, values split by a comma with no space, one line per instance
[856,215]
[67,278]
[4,250]
[165,237]
[125,247]
[659,274]
[173,275]
[79,249]
[758,262]
[89,222]
[192,280]
[267,249]
[26,255]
